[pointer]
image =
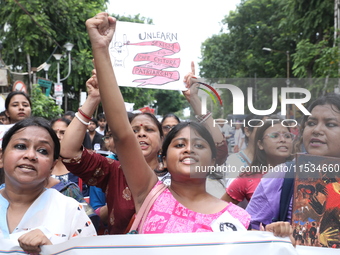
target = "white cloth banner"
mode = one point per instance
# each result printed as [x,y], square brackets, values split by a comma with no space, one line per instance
[149,56]
[240,243]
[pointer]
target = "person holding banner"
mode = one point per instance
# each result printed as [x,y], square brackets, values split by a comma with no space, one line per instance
[320,135]
[184,206]
[29,212]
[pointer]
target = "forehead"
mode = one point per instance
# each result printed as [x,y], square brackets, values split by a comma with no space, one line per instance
[59,125]
[19,98]
[170,120]
[189,134]
[33,133]
[325,111]
[276,128]
[142,119]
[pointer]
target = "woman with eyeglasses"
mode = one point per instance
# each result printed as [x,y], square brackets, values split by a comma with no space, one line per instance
[168,122]
[273,146]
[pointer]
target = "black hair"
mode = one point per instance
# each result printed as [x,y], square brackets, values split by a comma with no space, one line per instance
[131,116]
[35,122]
[170,115]
[153,118]
[67,121]
[14,93]
[199,128]
[95,121]
[70,113]
[101,116]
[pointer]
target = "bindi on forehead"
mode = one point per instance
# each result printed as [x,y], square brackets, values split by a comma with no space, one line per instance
[142,123]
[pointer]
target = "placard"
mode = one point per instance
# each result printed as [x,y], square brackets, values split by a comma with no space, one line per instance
[316,201]
[149,56]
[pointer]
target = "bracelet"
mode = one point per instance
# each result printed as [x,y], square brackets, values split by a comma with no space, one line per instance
[84,114]
[202,118]
[82,121]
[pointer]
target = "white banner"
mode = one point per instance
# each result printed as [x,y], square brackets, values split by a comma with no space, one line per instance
[240,243]
[150,56]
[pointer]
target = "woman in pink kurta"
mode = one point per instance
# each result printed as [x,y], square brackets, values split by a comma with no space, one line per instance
[167,215]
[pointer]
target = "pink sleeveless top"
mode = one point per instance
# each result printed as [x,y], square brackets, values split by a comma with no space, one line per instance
[167,215]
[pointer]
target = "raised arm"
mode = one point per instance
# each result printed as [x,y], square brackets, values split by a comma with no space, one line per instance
[75,132]
[195,102]
[192,97]
[139,175]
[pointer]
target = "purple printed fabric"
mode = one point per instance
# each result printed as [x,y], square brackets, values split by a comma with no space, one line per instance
[264,205]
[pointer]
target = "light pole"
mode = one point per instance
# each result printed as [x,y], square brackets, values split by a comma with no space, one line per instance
[46,67]
[58,86]
[288,68]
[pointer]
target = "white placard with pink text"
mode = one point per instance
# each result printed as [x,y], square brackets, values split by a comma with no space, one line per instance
[148,56]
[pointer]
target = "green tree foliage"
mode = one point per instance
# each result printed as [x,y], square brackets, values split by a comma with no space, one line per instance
[169,101]
[38,28]
[312,23]
[140,96]
[318,57]
[237,52]
[251,27]
[307,19]
[43,106]
[300,27]
[135,19]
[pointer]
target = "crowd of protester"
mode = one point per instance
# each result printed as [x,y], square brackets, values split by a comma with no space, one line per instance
[57,165]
